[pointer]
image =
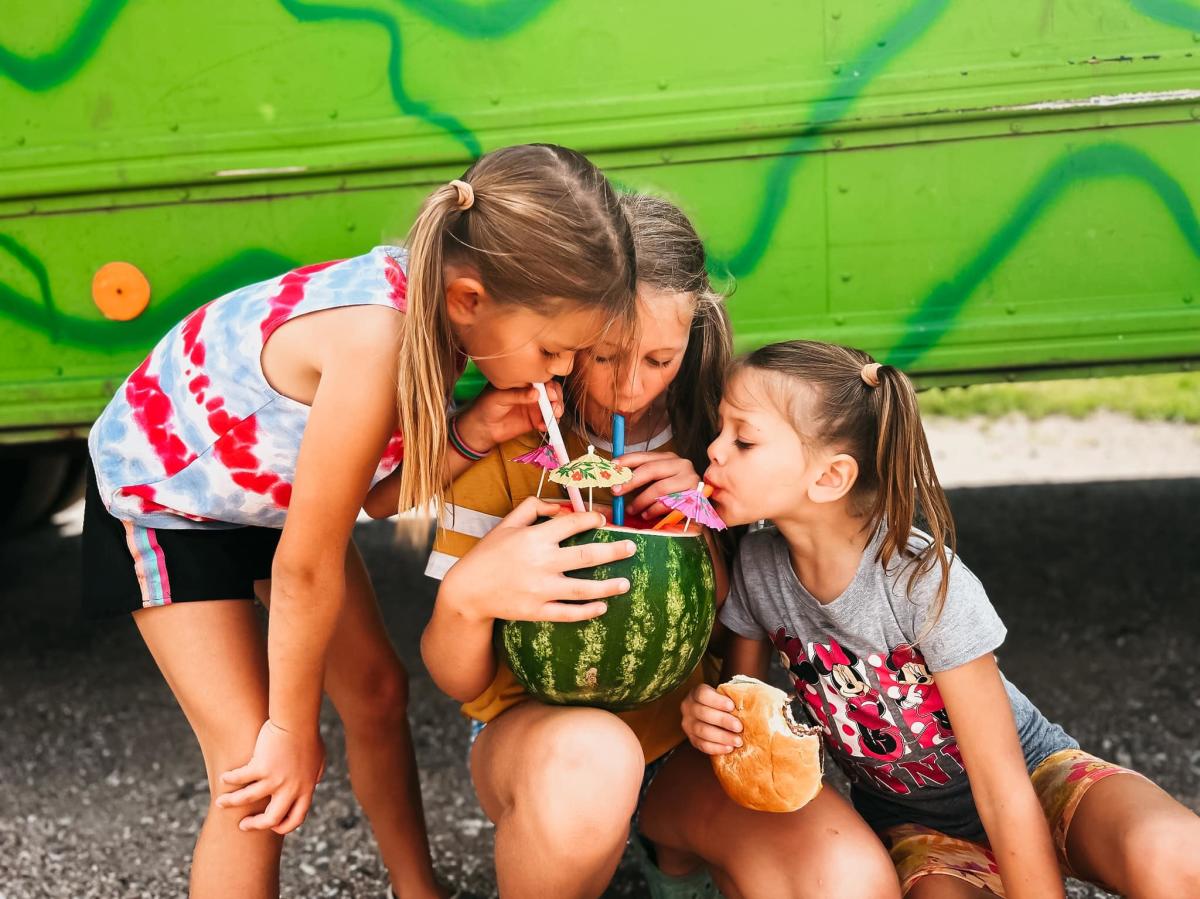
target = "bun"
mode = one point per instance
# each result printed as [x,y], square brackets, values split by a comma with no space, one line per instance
[778,767]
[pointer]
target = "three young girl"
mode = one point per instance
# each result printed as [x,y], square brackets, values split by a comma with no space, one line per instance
[233,462]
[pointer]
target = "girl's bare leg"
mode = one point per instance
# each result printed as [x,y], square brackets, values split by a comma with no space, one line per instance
[213,657]
[368,686]
[561,785]
[1130,835]
[824,849]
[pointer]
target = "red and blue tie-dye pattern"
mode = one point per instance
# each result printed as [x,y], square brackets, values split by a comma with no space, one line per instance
[196,436]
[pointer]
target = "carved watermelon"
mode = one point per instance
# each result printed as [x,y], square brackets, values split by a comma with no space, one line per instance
[644,646]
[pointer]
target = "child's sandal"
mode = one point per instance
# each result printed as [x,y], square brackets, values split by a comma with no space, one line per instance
[697,885]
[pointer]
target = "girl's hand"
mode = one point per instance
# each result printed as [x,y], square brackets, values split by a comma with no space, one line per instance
[285,767]
[708,721]
[516,571]
[661,473]
[499,415]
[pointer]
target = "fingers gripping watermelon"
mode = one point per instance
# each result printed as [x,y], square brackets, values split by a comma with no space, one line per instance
[644,646]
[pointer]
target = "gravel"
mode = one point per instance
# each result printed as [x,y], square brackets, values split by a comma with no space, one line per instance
[102,788]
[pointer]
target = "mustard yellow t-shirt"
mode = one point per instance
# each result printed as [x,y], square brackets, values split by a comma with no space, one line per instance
[481,496]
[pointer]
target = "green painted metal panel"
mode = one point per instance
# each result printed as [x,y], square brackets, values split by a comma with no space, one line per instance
[970,190]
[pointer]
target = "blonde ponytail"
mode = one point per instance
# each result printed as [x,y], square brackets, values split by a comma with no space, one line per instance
[426,354]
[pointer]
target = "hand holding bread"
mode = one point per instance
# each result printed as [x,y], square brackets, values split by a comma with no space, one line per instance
[763,759]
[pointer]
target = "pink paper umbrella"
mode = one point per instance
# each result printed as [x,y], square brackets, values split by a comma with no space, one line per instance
[695,507]
[543,457]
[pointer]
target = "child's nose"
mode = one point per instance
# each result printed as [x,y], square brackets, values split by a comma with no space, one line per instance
[563,365]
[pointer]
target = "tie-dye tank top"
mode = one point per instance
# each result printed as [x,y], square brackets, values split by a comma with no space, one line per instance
[196,437]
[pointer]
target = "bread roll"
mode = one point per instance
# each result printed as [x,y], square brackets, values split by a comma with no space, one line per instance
[778,767]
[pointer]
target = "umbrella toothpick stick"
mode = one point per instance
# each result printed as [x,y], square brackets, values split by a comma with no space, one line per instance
[556,441]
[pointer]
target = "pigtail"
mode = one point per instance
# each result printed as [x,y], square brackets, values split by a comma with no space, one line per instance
[426,355]
[908,487]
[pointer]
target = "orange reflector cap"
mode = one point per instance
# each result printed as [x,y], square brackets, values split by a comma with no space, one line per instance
[121,291]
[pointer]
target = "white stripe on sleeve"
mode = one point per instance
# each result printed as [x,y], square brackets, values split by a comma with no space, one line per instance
[468,522]
[439,563]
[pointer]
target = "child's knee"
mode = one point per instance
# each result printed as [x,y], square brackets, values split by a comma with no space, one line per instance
[377,697]
[858,866]
[1161,856]
[587,778]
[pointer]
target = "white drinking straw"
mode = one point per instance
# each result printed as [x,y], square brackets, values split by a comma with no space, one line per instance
[556,441]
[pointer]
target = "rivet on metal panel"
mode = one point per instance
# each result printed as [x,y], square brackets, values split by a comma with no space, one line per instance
[1188,298]
[662,84]
[839,319]
[1015,127]
[837,69]
[846,277]
[1015,52]
[120,291]
[843,188]
[836,14]
[837,143]
[1011,309]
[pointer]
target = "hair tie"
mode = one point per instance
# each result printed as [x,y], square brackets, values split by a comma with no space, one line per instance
[466,194]
[870,374]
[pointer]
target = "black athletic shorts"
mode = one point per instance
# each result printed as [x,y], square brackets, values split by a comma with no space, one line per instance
[127,567]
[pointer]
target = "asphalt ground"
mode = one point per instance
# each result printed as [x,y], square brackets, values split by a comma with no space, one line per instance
[102,788]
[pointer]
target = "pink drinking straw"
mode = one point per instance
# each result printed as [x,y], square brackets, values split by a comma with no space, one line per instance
[556,441]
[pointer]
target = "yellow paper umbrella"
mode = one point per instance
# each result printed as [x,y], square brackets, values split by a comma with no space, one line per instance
[589,471]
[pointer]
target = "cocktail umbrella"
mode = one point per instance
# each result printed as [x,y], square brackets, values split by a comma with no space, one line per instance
[695,507]
[545,458]
[589,471]
[675,515]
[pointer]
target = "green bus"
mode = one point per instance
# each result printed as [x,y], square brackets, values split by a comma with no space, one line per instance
[968,190]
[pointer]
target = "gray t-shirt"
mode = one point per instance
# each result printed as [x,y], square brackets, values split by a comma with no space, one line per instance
[864,682]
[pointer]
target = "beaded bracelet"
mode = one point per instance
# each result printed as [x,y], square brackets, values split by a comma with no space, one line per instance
[461,447]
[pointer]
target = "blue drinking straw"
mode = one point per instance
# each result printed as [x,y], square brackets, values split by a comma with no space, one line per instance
[618,448]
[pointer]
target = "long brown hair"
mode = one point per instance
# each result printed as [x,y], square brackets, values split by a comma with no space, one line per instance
[671,257]
[543,227]
[880,426]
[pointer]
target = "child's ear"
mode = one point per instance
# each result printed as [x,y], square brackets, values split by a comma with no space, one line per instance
[836,481]
[465,299]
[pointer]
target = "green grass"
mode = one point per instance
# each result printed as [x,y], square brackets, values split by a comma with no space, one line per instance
[1166,397]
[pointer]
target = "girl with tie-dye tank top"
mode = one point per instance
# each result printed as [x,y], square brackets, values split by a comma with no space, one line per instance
[232,463]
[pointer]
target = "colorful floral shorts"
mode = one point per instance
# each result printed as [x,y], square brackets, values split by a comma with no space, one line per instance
[1060,783]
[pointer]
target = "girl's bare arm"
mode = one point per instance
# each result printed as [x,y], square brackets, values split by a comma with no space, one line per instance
[979,708]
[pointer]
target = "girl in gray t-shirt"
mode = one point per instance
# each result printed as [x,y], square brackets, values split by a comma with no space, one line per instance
[889,638]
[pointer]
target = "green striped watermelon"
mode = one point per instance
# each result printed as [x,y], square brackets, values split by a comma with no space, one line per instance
[644,646]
